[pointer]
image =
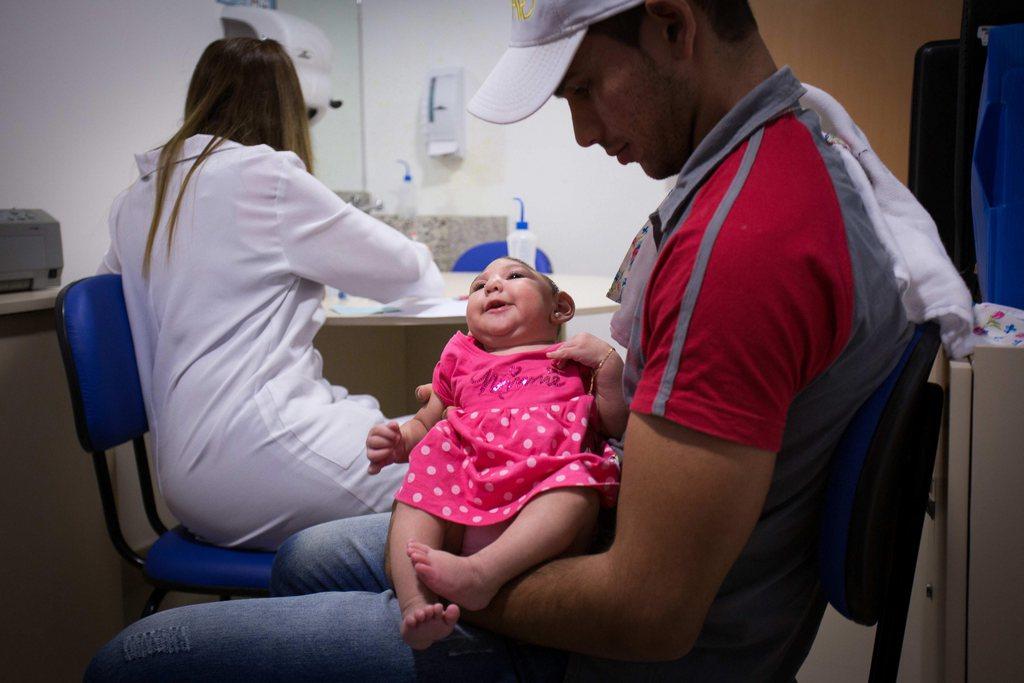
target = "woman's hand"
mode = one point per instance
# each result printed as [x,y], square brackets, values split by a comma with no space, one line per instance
[385,445]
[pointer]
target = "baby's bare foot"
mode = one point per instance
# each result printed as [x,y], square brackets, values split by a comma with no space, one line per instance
[423,625]
[460,579]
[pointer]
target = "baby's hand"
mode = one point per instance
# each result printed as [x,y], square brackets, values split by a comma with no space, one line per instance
[385,445]
[585,349]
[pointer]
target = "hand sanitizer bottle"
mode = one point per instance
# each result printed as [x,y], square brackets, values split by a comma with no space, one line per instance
[405,205]
[522,244]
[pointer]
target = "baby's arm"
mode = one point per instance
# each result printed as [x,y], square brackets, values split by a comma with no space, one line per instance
[389,443]
[607,366]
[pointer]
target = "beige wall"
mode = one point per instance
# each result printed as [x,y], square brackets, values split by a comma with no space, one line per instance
[863,54]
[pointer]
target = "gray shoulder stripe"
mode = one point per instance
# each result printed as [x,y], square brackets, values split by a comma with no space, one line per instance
[631,375]
[700,265]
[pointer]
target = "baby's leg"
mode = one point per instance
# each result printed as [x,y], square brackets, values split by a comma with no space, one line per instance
[424,619]
[549,525]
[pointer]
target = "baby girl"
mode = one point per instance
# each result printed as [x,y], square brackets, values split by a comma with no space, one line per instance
[507,465]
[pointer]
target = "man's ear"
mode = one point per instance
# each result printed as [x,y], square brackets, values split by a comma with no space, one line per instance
[675,24]
[564,310]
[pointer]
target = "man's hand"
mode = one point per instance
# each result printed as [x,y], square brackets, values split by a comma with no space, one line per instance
[385,446]
[585,349]
[607,367]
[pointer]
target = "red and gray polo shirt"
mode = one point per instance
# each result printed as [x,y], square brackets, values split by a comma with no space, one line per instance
[769,317]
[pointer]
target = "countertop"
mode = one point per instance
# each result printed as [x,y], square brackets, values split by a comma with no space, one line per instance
[22,302]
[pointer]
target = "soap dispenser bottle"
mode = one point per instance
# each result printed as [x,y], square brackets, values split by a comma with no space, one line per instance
[405,205]
[522,243]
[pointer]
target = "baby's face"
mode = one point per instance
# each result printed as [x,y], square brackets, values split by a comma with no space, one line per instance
[509,305]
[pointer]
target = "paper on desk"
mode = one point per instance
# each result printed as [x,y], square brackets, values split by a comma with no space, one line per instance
[429,308]
[354,311]
[419,308]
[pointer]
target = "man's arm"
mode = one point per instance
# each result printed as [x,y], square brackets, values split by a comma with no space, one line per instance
[687,505]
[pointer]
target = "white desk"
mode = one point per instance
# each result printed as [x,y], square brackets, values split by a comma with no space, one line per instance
[389,354]
[588,291]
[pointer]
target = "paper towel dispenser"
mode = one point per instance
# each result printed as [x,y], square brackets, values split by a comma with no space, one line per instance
[445,115]
[30,250]
[304,42]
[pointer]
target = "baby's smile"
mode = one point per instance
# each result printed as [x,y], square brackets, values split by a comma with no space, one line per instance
[497,306]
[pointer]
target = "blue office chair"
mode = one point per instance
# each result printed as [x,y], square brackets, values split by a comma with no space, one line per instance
[475,259]
[99,358]
[876,501]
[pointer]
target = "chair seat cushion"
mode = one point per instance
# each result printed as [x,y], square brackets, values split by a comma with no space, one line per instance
[178,558]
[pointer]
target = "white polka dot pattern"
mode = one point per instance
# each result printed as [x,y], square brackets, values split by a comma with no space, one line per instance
[481,465]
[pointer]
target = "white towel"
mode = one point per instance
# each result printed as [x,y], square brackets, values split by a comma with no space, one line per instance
[930,286]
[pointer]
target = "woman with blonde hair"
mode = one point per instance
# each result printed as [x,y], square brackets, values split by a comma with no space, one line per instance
[225,243]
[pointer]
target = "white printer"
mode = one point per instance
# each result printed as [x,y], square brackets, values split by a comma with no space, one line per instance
[30,250]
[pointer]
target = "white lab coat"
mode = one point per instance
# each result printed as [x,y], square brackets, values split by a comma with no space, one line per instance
[251,442]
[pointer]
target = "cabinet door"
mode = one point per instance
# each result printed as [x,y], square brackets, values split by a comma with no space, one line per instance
[957,489]
[995,611]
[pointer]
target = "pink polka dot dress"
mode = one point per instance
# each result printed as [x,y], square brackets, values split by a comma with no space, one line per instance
[517,426]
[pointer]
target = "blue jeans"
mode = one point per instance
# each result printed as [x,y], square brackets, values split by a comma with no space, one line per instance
[336,618]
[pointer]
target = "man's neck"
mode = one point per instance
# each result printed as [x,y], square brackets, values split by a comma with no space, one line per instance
[741,68]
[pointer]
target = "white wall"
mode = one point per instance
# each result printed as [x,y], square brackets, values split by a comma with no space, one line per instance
[88,84]
[583,205]
[337,137]
[85,85]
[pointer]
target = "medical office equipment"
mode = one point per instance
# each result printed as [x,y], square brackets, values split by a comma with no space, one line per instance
[31,256]
[445,124]
[522,242]
[305,43]
[405,196]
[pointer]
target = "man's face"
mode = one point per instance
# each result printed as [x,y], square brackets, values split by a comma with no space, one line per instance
[622,99]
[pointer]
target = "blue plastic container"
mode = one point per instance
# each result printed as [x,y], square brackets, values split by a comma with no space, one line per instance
[997,175]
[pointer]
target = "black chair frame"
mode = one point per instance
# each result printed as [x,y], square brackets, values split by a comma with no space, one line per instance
[108,498]
[892,500]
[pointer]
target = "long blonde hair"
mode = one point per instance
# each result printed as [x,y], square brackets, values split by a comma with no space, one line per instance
[245,90]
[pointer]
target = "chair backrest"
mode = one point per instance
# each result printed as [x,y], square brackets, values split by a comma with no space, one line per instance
[876,499]
[475,259]
[895,427]
[99,358]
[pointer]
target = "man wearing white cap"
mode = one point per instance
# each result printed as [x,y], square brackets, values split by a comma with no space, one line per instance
[765,315]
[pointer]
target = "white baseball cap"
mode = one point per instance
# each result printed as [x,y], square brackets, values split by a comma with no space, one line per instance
[545,36]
